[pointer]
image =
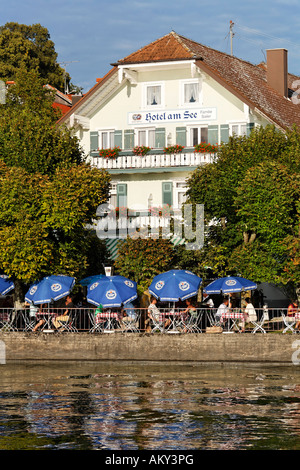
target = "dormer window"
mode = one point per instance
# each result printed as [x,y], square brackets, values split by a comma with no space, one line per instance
[154,95]
[190,92]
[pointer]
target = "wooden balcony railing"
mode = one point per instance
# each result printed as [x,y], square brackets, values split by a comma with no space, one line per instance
[151,160]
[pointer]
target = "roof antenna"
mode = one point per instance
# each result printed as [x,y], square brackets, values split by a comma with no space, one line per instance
[66,88]
[231,35]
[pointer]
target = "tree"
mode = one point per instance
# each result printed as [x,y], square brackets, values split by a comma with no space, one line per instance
[140,259]
[48,196]
[29,47]
[43,220]
[29,136]
[249,197]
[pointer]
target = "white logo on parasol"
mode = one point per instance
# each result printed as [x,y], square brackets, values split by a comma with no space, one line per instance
[159,285]
[111,294]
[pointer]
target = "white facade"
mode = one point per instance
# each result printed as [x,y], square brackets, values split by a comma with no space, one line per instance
[157,105]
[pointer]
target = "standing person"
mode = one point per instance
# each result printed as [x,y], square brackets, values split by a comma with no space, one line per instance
[57,322]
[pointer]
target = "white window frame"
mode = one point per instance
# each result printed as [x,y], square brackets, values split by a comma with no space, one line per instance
[113,195]
[239,124]
[146,129]
[145,87]
[108,131]
[198,102]
[179,187]
[189,133]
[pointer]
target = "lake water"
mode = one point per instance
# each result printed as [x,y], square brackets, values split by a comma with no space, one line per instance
[148,406]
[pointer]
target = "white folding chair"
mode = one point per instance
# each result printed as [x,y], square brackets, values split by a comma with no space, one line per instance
[289,323]
[69,324]
[7,317]
[157,324]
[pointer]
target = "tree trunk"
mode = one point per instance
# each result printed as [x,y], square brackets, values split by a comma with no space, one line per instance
[19,294]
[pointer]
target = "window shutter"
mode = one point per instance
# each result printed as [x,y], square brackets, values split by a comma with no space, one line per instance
[160,137]
[213,134]
[118,139]
[128,139]
[249,127]
[94,141]
[122,195]
[181,136]
[224,133]
[167,192]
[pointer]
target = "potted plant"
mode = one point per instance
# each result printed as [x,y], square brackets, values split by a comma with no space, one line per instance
[203,147]
[173,149]
[109,153]
[140,150]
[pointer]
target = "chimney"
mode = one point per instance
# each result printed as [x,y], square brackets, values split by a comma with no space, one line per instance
[277,70]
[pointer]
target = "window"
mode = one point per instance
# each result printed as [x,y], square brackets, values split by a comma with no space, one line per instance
[153,95]
[197,135]
[113,195]
[106,139]
[146,137]
[190,92]
[238,129]
[180,194]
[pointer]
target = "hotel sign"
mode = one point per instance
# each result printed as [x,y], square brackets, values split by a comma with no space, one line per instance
[184,115]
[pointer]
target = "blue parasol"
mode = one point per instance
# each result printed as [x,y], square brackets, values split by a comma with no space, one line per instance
[175,285]
[112,291]
[6,285]
[51,288]
[229,284]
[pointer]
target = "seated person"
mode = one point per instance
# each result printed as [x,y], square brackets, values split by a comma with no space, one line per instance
[42,321]
[64,318]
[249,313]
[153,314]
[129,314]
[292,309]
[207,301]
[222,309]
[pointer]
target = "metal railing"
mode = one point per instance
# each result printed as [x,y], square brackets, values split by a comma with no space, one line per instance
[137,320]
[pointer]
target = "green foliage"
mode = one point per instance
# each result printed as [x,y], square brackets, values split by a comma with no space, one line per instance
[30,48]
[43,220]
[143,258]
[29,136]
[249,195]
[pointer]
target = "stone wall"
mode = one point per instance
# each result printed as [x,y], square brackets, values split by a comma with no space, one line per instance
[267,348]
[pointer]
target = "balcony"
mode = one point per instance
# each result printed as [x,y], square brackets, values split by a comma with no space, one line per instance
[155,160]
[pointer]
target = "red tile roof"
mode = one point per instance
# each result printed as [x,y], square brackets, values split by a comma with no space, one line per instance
[245,80]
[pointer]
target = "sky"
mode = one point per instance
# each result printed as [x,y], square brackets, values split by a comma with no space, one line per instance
[90,35]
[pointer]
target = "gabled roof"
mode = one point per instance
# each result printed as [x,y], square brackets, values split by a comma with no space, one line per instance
[245,80]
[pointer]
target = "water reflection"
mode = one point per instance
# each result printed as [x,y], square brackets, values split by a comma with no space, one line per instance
[136,406]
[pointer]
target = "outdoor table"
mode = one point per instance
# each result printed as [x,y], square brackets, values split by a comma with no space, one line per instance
[235,318]
[290,321]
[106,318]
[47,317]
[177,319]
